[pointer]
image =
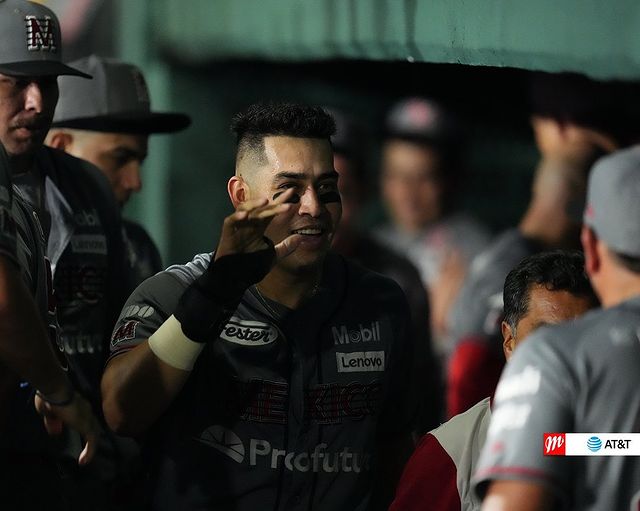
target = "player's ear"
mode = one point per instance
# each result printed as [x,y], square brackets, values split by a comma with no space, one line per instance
[508,342]
[59,139]
[238,190]
[589,242]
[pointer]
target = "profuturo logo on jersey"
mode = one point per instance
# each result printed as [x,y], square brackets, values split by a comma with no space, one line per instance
[364,333]
[225,441]
[248,333]
[261,453]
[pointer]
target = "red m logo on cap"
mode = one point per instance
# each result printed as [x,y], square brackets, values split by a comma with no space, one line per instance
[40,35]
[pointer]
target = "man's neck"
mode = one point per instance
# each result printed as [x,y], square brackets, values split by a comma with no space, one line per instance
[21,164]
[290,289]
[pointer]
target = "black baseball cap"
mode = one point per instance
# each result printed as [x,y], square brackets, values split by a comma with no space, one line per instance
[116,100]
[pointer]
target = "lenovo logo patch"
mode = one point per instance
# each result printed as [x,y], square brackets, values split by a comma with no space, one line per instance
[360,361]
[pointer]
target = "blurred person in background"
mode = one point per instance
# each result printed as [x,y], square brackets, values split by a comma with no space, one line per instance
[575,121]
[422,163]
[577,377]
[543,289]
[107,122]
[348,158]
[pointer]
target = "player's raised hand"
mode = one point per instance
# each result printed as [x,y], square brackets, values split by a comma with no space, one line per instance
[243,231]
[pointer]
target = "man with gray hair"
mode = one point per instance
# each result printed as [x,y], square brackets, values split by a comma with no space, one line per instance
[108,122]
[578,377]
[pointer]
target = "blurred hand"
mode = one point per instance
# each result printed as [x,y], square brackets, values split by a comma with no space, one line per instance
[76,415]
[243,231]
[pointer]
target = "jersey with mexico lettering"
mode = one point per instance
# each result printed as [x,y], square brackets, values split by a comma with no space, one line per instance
[285,409]
[577,377]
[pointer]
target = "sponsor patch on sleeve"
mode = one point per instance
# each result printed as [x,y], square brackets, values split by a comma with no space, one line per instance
[125,332]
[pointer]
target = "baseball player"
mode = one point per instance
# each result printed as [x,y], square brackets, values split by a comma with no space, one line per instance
[271,373]
[79,216]
[27,336]
[577,377]
[575,121]
[107,121]
[546,288]
[421,165]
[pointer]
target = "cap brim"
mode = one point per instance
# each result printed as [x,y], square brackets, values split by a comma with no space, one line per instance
[138,123]
[40,68]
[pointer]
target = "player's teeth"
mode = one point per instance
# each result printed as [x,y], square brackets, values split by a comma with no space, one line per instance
[308,231]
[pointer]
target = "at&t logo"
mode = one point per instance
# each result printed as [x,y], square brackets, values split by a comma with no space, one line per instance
[594,444]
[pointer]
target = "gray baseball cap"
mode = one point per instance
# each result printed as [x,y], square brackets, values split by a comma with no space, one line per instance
[613,201]
[116,100]
[31,41]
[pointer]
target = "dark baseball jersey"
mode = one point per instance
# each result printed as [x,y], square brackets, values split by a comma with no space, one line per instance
[86,250]
[285,409]
[583,377]
[22,241]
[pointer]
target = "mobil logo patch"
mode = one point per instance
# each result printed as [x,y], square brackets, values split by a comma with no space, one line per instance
[360,361]
[248,333]
[363,332]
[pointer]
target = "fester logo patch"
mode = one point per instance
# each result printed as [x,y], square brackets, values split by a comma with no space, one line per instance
[360,361]
[248,333]
[40,34]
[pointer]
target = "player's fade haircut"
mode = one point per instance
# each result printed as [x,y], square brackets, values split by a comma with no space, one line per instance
[557,270]
[279,119]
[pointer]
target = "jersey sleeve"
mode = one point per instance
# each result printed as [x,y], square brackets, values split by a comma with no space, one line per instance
[533,397]
[428,482]
[147,308]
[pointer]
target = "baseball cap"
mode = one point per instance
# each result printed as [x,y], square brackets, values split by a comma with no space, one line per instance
[116,100]
[421,120]
[31,41]
[613,205]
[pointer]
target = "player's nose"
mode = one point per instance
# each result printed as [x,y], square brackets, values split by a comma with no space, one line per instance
[310,203]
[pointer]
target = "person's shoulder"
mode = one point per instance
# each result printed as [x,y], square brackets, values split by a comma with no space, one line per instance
[172,281]
[188,272]
[460,426]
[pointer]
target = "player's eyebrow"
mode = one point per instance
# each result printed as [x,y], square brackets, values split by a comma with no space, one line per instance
[299,176]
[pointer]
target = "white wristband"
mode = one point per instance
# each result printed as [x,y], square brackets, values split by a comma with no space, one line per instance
[170,345]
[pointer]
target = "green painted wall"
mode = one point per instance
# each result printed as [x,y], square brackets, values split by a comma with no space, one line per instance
[591,36]
[187,49]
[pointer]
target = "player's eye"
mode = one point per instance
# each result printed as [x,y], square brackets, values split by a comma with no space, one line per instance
[328,192]
[293,199]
